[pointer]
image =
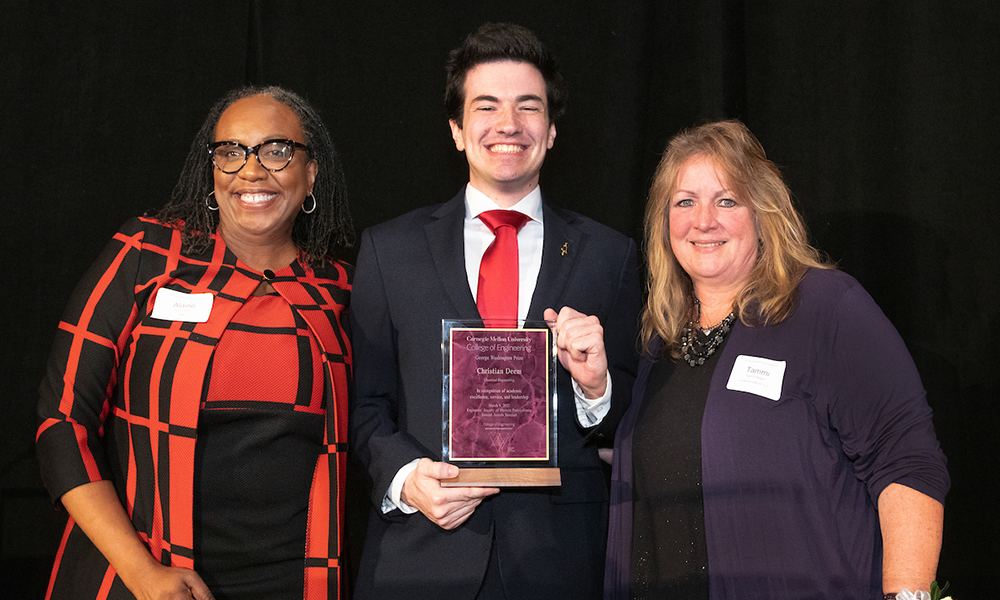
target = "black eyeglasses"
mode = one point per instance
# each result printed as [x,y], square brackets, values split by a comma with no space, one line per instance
[273,155]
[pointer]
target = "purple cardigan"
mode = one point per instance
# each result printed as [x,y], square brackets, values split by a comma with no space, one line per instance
[791,485]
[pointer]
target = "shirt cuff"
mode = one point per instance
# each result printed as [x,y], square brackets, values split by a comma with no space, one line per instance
[591,412]
[391,500]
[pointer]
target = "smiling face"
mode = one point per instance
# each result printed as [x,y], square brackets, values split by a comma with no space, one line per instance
[712,232]
[505,129]
[257,207]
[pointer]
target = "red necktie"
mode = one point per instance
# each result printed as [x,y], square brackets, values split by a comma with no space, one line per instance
[496,297]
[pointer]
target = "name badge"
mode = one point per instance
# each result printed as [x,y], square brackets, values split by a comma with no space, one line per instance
[759,376]
[171,305]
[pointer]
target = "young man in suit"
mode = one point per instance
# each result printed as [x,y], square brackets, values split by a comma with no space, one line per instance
[427,541]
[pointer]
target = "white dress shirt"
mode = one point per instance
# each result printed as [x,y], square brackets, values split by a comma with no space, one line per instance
[478,238]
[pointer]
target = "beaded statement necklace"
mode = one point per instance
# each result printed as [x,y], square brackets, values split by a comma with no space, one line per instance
[697,348]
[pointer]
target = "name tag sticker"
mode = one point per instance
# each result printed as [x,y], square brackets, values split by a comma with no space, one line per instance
[171,305]
[755,375]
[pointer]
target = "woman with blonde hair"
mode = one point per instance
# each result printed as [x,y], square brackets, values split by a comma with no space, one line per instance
[779,443]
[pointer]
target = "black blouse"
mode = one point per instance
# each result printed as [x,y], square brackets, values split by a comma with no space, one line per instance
[669,552]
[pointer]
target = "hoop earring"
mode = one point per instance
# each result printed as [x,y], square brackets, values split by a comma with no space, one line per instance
[208,202]
[310,211]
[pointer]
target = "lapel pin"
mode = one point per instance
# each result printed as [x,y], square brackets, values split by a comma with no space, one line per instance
[565,248]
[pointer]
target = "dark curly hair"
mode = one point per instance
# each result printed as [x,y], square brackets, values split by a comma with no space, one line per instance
[494,42]
[319,236]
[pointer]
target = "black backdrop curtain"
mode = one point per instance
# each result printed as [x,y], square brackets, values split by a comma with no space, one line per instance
[883,116]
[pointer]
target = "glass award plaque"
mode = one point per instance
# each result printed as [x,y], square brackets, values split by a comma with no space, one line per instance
[499,404]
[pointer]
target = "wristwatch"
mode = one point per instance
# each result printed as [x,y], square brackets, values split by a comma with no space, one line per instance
[889,596]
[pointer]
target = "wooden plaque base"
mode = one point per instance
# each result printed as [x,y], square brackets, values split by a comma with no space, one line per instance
[528,477]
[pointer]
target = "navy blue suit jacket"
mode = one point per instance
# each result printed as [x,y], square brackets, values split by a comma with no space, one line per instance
[410,275]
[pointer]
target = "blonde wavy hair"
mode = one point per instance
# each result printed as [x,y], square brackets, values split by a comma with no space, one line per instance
[783,254]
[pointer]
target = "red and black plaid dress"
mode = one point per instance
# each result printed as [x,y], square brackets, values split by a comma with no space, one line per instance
[176,413]
[259,434]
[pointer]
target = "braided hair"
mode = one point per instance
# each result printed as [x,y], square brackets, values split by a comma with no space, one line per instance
[319,236]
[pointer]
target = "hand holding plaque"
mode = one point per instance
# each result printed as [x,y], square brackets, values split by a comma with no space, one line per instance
[446,506]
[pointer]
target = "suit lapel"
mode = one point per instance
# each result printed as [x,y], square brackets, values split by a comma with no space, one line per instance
[560,249]
[445,238]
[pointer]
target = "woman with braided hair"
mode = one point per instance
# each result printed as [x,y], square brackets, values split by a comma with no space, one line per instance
[193,417]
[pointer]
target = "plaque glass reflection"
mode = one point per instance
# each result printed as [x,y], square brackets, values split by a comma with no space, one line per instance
[499,404]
